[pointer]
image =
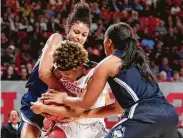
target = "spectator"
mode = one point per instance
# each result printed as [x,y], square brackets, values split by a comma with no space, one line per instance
[4,41]
[161,28]
[5,23]
[23,73]
[176,77]
[52,26]
[41,25]
[146,12]
[175,9]
[138,6]
[29,67]
[9,57]
[105,6]
[147,39]
[126,5]
[24,56]
[95,8]
[165,67]
[114,6]
[10,74]
[147,50]
[13,128]
[26,11]
[170,38]
[163,77]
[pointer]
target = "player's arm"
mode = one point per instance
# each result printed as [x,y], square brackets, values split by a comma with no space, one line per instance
[38,108]
[105,111]
[46,62]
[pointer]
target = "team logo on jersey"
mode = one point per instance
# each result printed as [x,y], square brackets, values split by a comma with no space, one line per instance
[119,132]
[72,87]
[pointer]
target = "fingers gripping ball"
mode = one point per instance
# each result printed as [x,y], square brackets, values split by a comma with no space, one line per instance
[57,133]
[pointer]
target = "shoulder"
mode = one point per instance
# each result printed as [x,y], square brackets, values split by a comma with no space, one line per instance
[6,126]
[109,65]
[56,37]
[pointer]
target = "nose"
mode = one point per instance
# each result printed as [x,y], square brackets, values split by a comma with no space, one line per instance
[79,38]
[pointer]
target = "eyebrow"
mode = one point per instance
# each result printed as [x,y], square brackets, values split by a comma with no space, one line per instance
[80,31]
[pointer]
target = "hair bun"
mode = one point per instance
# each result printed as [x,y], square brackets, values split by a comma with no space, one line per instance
[82,9]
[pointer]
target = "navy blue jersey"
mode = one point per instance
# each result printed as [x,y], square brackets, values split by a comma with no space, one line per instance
[147,112]
[129,87]
[34,83]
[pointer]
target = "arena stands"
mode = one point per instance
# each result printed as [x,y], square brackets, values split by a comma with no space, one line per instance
[157,24]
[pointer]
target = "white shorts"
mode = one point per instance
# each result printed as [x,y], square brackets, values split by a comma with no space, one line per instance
[78,130]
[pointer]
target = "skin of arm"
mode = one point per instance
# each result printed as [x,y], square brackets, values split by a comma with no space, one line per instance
[46,62]
[105,111]
[94,89]
[54,110]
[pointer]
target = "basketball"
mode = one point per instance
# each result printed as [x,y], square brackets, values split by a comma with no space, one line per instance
[57,133]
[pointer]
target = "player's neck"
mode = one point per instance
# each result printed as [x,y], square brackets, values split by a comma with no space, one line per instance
[81,73]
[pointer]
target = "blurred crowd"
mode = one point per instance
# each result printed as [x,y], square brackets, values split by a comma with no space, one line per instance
[157,25]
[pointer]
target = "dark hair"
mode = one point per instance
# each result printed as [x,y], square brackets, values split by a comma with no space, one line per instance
[11,111]
[81,13]
[69,55]
[122,38]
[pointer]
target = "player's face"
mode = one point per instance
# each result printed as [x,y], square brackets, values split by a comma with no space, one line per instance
[70,75]
[78,33]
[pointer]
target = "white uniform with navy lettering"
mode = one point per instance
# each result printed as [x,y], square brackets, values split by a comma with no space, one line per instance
[86,127]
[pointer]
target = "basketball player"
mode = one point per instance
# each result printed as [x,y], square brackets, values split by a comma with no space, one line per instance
[77,29]
[70,59]
[147,112]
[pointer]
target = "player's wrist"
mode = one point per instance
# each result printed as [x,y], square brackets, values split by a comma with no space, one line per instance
[42,108]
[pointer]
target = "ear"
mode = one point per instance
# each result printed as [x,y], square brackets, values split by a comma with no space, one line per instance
[109,42]
[111,45]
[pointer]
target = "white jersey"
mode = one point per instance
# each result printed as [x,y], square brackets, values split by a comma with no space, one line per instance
[86,127]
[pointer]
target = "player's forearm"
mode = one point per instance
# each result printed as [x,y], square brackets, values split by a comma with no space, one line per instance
[58,111]
[52,81]
[104,111]
[74,102]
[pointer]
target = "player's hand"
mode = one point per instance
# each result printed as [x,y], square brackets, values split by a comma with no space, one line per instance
[53,96]
[37,107]
[48,125]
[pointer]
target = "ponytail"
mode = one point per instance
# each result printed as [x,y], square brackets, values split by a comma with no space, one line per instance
[135,56]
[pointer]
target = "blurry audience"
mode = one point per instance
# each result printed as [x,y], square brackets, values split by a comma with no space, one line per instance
[157,25]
